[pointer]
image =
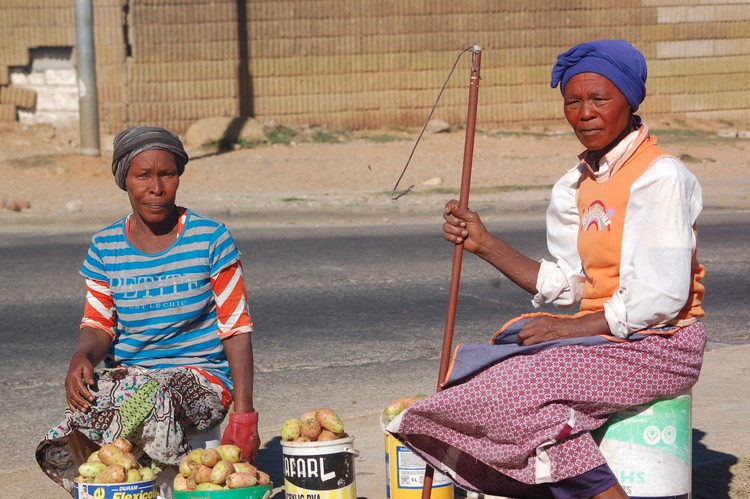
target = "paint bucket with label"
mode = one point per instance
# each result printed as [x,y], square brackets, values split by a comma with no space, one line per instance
[141,490]
[323,470]
[649,448]
[404,472]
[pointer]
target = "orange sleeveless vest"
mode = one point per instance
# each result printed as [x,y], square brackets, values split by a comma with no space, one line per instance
[602,209]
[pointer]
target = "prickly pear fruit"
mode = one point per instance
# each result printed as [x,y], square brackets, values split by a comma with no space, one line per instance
[291,429]
[310,413]
[221,471]
[110,454]
[330,421]
[311,429]
[147,474]
[263,478]
[245,467]
[124,444]
[229,452]
[133,476]
[326,435]
[113,473]
[94,457]
[196,455]
[201,473]
[394,408]
[180,483]
[128,461]
[407,401]
[301,440]
[91,469]
[210,457]
[208,486]
[185,469]
[239,480]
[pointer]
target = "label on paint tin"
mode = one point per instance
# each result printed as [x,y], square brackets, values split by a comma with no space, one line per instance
[322,472]
[410,469]
[663,427]
[138,490]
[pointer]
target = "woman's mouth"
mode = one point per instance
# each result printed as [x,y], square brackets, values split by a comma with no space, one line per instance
[157,206]
[591,131]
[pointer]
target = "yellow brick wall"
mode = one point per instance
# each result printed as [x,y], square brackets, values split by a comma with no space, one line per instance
[380,63]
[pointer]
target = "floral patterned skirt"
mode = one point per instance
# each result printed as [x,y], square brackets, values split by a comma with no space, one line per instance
[526,419]
[153,408]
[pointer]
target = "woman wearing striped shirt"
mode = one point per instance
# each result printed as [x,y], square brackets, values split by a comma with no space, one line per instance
[166,311]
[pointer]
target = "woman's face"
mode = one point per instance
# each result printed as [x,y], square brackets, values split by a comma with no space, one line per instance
[152,183]
[598,112]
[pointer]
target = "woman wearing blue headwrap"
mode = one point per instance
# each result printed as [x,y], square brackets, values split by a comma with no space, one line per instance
[515,416]
[166,312]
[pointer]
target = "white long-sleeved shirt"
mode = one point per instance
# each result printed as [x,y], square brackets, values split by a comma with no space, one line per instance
[657,245]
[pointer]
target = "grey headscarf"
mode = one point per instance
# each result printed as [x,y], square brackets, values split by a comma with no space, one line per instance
[134,140]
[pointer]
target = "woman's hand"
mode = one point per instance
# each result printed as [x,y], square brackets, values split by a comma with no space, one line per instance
[77,382]
[463,226]
[242,431]
[547,328]
[93,345]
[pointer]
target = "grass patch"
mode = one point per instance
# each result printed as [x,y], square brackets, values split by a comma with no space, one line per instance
[41,161]
[224,145]
[383,138]
[679,135]
[281,135]
[323,136]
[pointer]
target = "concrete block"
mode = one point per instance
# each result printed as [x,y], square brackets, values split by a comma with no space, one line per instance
[7,113]
[19,96]
[702,13]
[61,77]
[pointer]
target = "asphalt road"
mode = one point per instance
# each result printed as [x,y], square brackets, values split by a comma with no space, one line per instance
[345,317]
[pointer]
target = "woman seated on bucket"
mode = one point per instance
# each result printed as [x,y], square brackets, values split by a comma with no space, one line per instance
[166,310]
[514,417]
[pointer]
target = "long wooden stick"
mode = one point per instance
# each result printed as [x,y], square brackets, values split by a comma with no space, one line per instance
[458,250]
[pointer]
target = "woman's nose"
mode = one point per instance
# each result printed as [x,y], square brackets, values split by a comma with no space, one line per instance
[587,111]
[157,185]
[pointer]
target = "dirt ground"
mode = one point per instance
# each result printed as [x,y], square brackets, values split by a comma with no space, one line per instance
[348,178]
[46,179]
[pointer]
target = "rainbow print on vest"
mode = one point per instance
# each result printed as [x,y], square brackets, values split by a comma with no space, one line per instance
[596,217]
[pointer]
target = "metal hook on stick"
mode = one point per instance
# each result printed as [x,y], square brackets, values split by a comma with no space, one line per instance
[463,202]
[394,194]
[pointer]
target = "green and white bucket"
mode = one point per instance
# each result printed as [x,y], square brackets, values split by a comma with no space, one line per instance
[649,448]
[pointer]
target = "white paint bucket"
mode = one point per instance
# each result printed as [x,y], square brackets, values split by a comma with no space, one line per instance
[323,470]
[649,448]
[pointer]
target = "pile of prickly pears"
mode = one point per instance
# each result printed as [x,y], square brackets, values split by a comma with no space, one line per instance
[397,406]
[114,462]
[314,425]
[217,468]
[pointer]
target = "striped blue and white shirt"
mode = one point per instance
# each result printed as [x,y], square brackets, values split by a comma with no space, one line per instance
[164,302]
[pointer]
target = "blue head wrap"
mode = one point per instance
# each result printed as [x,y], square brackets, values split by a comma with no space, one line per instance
[616,60]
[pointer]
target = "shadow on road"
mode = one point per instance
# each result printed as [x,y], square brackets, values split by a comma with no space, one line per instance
[711,470]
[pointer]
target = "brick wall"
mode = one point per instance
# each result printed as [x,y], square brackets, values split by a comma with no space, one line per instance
[380,63]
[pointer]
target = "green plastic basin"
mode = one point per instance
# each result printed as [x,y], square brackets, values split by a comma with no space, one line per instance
[256,492]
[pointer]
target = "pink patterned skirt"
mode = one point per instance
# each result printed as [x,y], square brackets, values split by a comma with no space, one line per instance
[526,420]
